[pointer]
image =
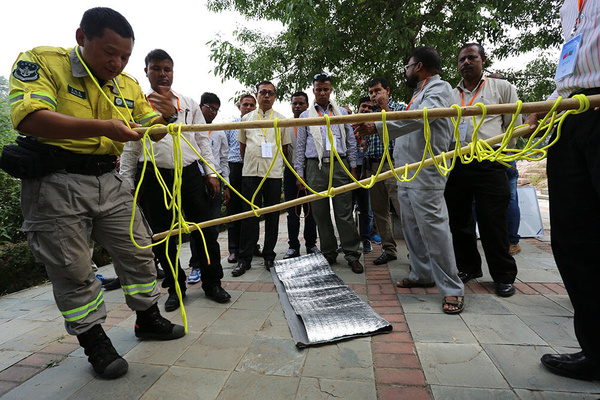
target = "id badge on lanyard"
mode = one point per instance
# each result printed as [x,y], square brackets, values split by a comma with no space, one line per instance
[267,150]
[462,130]
[568,58]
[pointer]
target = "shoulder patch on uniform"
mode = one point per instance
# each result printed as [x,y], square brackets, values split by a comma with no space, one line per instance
[26,71]
[119,102]
[76,92]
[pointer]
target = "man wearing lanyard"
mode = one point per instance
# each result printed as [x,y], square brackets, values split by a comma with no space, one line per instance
[313,158]
[73,100]
[209,105]
[574,187]
[258,148]
[291,192]
[195,201]
[484,181]
[246,104]
[382,191]
[424,213]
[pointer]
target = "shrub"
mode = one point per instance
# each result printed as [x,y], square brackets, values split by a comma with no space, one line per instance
[18,269]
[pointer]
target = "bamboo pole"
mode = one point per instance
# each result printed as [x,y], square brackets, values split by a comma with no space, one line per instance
[527,108]
[341,189]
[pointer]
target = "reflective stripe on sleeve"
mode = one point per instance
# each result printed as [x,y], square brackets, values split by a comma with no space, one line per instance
[147,118]
[81,312]
[139,288]
[42,96]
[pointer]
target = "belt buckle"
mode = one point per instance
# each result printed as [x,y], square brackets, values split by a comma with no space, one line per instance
[326,160]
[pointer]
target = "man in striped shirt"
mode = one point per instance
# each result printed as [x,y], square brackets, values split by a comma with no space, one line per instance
[574,188]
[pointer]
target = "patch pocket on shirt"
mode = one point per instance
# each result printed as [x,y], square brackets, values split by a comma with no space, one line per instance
[72,105]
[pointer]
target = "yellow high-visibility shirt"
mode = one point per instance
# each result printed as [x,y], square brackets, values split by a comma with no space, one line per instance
[53,78]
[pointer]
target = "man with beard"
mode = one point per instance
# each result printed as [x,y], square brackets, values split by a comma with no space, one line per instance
[422,205]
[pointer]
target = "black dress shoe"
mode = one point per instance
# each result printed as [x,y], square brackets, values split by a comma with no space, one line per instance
[356,267]
[467,276]
[172,302]
[269,264]
[291,253]
[576,366]
[240,268]
[233,258]
[218,294]
[505,289]
[112,284]
[257,251]
[312,250]
[384,258]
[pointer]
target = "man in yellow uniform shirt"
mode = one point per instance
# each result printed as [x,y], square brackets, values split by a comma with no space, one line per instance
[75,100]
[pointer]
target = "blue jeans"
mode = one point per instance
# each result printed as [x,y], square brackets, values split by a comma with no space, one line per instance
[513,213]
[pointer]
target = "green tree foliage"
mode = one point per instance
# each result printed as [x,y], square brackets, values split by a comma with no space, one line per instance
[356,40]
[536,81]
[11,218]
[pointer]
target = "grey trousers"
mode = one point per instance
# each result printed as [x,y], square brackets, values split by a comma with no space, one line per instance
[381,193]
[428,238]
[318,179]
[63,212]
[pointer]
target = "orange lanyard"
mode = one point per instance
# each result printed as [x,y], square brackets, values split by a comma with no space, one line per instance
[476,93]
[296,132]
[422,86]
[578,19]
[330,112]
[209,132]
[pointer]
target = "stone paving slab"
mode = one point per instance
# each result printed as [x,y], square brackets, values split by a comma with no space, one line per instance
[243,349]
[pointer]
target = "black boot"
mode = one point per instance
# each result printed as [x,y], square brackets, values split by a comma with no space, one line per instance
[101,354]
[151,325]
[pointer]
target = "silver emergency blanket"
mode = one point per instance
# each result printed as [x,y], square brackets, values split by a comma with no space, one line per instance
[319,306]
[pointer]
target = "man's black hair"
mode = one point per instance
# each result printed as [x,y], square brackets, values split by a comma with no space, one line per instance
[246,95]
[265,83]
[300,94]
[384,82]
[157,55]
[479,48]
[366,98]
[322,77]
[209,98]
[96,19]
[430,58]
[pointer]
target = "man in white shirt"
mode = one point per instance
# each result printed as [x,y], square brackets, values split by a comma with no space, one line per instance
[195,201]
[258,148]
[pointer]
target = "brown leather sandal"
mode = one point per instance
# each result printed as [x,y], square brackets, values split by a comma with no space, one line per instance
[459,303]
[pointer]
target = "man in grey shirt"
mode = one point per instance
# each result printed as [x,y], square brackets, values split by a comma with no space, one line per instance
[424,212]
[313,158]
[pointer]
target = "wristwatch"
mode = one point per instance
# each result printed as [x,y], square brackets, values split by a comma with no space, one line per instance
[172,118]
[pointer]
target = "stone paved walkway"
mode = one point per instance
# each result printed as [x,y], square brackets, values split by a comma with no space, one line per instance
[244,350]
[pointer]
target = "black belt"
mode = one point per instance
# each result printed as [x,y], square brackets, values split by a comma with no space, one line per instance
[587,92]
[89,164]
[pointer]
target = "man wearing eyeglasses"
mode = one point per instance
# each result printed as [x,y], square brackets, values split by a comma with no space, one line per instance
[195,199]
[210,105]
[259,149]
[314,156]
[422,204]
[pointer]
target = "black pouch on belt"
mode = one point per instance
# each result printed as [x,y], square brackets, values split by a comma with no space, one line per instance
[30,159]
